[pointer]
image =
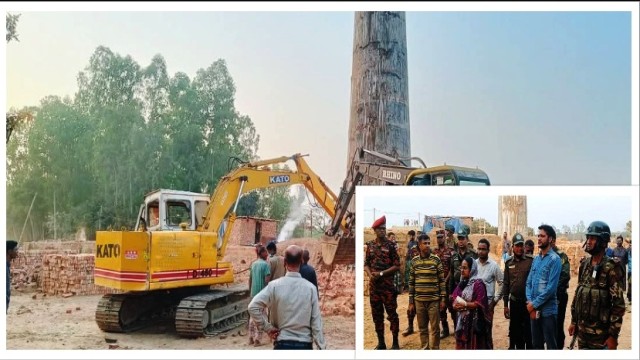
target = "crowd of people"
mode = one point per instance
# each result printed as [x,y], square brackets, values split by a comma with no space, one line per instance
[453,276]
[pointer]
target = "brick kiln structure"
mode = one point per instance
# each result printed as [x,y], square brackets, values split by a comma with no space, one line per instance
[252,230]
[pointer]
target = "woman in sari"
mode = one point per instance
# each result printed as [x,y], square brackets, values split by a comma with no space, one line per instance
[470,301]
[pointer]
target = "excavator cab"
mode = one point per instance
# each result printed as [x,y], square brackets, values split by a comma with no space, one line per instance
[447,175]
[165,210]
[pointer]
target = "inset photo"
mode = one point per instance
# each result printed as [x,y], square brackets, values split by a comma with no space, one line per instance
[517,268]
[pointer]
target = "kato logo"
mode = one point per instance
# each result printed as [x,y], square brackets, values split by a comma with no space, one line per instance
[279,179]
[393,175]
[107,251]
[130,254]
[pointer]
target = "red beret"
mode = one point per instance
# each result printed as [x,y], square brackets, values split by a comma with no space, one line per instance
[380,222]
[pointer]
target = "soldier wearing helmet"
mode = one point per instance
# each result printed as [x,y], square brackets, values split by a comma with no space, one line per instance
[598,305]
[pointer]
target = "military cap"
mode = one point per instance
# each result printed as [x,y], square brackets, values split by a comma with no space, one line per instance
[517,239]
[380,222]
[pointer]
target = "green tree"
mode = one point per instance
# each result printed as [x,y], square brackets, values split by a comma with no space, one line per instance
[128,130]
[12,27]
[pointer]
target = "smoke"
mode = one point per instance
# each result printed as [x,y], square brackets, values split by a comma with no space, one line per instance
[296,215]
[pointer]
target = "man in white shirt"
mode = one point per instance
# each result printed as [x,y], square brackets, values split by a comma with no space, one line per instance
[491,274]
[293,306]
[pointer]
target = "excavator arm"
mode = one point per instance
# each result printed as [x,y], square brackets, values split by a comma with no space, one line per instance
[258,175]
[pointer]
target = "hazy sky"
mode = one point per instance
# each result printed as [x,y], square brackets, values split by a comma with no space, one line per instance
[531,98]
[555,210]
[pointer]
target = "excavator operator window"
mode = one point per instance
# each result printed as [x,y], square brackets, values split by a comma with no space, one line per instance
[420,180]
[153,213]
[178,212]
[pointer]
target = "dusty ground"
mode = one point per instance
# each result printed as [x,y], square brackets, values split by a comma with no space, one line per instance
[43,323]
[500,327]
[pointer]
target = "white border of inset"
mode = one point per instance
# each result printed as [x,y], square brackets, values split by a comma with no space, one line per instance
[459,193]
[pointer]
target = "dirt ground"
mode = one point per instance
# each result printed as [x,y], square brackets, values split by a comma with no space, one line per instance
[500,326]
[43,323]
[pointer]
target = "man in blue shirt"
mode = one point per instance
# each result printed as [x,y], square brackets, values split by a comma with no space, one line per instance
[542,284]
[12,253]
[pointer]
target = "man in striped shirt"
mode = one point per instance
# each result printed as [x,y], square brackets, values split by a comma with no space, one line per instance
[427,293]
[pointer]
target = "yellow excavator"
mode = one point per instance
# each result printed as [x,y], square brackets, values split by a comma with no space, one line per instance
[169,263]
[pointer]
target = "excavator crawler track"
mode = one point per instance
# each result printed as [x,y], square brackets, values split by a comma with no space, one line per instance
[212,313]
[121,313]
[132,311]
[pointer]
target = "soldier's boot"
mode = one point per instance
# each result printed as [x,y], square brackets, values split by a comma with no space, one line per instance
[396,344]
[445,329]
[381,344]
[409,330]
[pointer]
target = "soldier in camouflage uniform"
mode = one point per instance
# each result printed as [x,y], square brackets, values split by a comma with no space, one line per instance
[598,304]
[445,253]
[561,293]
[467,229]
[381,261]
[450,239]
[462,251]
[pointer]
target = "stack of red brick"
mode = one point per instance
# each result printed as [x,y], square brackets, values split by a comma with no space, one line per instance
[69,275]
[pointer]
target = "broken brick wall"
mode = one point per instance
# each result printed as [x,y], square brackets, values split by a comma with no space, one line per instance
[243,232]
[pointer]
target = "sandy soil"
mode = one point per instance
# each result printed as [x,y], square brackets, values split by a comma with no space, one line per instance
[500,326]
[48,322]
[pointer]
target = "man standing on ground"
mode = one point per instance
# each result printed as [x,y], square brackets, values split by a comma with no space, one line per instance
[427,293]
[381,261]
[562,295]
[293,307]
[411,314]
[276,262]
[542,286]
[490,273]
[259,275]
[516,270]
[444,253]
[12,253]
[620,256]
[598,305]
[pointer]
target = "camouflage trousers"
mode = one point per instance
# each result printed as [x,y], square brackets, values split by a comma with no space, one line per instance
[592,338]
[380,301]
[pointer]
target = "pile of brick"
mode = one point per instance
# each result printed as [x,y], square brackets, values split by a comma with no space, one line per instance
[69,275]
[337,294]
[26,270]
[56,268]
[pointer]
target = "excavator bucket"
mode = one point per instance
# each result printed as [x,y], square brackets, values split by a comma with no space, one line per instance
[338,250]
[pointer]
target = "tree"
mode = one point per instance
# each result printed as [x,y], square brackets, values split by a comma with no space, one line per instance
[12,25]
[128,130]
